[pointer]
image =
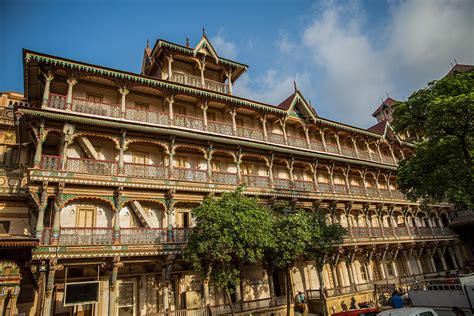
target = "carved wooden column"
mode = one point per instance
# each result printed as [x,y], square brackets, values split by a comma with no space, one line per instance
[40,138]
[42,208]
[233,113]
[354,143]
[47,305]
[270,169]
[229,81]
[117,206]
[122,148]
[71,82]
[170,101]
[208,157]
[283,127]
[263,120]
[238,162]
[171,153]
[47,86]
[170,70]
[113,288]
[58,204]
[339,149]
[204,108]
[323,139]
[123,102]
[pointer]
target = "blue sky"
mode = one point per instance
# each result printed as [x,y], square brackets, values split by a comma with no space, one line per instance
[344,55]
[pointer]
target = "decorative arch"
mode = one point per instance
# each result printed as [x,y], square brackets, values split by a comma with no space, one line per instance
[191,147]
[146,141]
[113,139]
[69,199]
[260,157]
[155,201]
[225,152]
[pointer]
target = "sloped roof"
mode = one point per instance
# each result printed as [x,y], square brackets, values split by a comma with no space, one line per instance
[286,104]
[461,68]
[379,128]
[388,102]
[297,98]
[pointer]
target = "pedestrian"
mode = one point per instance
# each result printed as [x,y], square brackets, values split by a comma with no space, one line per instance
[396,300]
[353,303]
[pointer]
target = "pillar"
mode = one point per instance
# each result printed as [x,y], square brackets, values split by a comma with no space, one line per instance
[117,226]
[71,82]
[113,288]
[443,261]
[48,299]
[283,127]
[40,222]
[431,261]
[382,269]
[123,92]
[306,134]
[229,81]
[233,113]
[407,263]
[166,275]
[170,100]
[209,167]
[204,108]
[202,67]
[350,272]
[121,164]
[354,143]
[323,139]
[49,77]
[394,268]
[378,151]
[39,146]
[338,144]
[263,119]
[418,264]
[56,223]
[170,70]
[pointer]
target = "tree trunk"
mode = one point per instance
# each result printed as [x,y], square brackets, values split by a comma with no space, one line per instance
[271,285]
[241,290]
[229,300]
[206,286]
[319,269]
[288,291]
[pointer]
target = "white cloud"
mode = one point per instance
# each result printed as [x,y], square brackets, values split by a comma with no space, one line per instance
[337,59]
[224,48]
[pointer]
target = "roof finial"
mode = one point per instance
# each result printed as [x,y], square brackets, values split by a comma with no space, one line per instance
[203,31]
[187,41]
[387,95]
[294,83]
[147,43]
[455,61]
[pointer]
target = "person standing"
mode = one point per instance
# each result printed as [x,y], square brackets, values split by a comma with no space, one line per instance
[396,300]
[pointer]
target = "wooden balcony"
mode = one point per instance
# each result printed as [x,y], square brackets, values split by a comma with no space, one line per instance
[225,178]
[193,175]
[58,102]
[196,81]
[146,171]
[90,236]
[256,181]
[399,232]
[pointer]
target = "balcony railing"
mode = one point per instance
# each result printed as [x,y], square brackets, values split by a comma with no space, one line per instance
[51,162]
[93,236]
[357,190]
[303,185]
[224,177]
[158,118]
[250,133]
[297,142]
[324,187]
[256,181]
[147,116]
[93,166]
[399,231]
[189,122]
[196,81]
[340,188]
[282,183]
[146,171]
[385,193]
[220,128]
[187,174]
[90,107]
[372,191]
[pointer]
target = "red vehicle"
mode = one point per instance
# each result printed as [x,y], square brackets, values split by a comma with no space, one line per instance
[359,312]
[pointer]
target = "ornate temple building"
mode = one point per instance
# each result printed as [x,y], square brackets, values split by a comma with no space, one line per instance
[113,163]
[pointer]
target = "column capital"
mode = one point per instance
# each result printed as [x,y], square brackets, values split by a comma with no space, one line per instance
[123,91]
[49,76]
[72,81]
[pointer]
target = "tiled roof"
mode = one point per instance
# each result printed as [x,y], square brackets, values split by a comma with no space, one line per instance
[461,68]
[388,102]
[378,128]
[18,241]
[285,105]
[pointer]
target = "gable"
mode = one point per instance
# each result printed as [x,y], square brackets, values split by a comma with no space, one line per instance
[300,108]
[205,47]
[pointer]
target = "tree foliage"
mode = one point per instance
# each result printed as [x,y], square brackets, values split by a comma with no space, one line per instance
[231,231]
[439,120]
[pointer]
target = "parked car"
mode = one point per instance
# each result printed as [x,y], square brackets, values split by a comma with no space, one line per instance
[409,311]
[359,312]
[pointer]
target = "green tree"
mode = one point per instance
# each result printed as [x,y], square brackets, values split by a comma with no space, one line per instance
[231,231]
[299,234]
[438,120]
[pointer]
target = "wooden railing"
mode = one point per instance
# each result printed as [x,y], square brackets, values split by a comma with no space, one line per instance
[146,171]
[84,165]
[79,105]
[256,181]
[90,236]
[224,177]
[196,81]
[187,174]
[399,231]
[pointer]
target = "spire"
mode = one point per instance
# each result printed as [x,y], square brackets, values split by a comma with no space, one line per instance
[296,88]
[203,31]
[147,43]
[187,41]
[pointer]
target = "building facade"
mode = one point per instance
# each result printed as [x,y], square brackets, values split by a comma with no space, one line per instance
[116,161]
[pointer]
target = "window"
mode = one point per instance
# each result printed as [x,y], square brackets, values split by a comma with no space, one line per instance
[216,165]
[180,162]
[180,110]
[126,302]
[247,169]
[4,227]
[389,270]
[141,106]
[85,217]
[139,157]
[94,97]
[363,273]
[211,116]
